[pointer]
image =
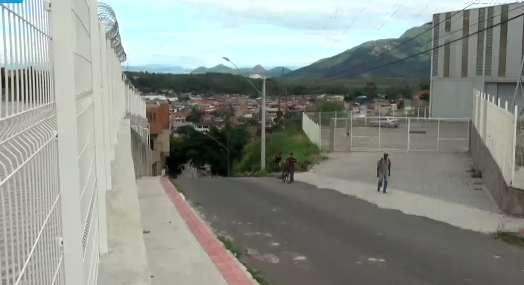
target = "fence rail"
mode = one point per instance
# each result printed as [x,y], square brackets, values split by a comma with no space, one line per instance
[63,98]
[399,134]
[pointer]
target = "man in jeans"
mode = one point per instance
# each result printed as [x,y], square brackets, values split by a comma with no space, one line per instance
[291,161]
[383,172]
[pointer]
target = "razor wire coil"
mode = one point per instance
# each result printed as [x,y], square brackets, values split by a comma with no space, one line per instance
[107,16]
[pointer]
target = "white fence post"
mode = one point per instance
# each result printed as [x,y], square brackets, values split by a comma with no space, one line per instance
[98,126]
[438,133]
[409,132]
[351,132]
[514,149]
[63,49]
[105,105]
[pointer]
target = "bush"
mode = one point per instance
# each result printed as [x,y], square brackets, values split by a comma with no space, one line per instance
[291,139]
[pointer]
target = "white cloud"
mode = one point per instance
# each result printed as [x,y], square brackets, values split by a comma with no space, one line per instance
[313,29]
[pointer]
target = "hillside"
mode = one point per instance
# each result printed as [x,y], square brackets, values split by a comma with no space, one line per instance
[351,61]
[258,69]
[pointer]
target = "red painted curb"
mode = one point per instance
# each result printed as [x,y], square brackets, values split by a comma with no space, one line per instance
[229,269]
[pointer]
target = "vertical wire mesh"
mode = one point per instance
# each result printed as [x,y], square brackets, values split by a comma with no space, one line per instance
[30,212]
[83,66]
[30,217]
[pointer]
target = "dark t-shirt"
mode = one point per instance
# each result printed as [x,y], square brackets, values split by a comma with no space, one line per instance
[278,158]
[291,161]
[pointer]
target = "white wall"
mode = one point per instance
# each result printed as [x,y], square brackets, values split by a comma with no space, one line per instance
[495,121]
[311,129]
[452,98]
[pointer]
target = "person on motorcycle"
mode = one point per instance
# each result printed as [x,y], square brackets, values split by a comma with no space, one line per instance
[290,165]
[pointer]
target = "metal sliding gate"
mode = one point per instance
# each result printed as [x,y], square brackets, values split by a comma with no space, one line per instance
[411,134]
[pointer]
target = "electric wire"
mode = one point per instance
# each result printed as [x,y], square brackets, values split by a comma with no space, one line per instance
[374,58]
[333,78]
[454,32]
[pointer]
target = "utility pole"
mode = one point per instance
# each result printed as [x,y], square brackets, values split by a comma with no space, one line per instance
[263,131]
[279,91]
[286,100]
[228,156]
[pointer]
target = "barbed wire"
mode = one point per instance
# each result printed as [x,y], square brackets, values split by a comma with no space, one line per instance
[107,16]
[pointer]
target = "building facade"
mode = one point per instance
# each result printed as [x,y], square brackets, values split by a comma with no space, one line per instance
[159,126]
[489,59]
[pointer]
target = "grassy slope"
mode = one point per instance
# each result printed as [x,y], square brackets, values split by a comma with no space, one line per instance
[287,141]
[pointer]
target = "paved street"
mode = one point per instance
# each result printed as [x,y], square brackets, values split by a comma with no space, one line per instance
[299,234]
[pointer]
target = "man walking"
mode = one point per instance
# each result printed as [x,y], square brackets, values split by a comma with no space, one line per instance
[383,172]
[291,161]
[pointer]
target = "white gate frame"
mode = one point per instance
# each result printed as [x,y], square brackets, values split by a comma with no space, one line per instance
[351,136]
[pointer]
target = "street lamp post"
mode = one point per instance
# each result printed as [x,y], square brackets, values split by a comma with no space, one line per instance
[263,131]
[226,148]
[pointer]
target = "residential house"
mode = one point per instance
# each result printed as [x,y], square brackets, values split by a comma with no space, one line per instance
[160,131]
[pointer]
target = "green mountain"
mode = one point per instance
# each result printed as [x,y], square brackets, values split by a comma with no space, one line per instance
[278,71]
[258,69]
[358,61]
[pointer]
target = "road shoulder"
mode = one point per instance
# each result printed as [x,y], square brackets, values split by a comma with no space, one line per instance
[457,215]
[230,270]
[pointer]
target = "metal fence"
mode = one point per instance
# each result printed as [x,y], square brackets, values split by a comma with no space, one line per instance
[63,99]
[411,134]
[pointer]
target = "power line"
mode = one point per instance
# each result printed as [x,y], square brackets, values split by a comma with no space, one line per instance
[421,11]
[413,38]
[374,58]
[352,21]
[423,52]
[392,14]
[333,16]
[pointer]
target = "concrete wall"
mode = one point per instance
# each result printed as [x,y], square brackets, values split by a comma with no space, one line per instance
[451,98]
[311,129]
[508,199]
[126,262]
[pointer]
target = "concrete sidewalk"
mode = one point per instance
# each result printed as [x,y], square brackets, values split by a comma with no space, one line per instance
[126,262]
[459,215]
[180,248]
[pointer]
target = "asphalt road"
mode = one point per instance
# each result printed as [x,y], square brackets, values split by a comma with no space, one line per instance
[298,234]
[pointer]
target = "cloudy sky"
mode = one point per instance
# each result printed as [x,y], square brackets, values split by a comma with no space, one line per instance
[192,33]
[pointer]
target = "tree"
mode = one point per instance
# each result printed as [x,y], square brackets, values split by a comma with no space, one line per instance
[207,148]
[177,155]
[329,107]
[424,96]
[371,90]
[195,116]
[424,86]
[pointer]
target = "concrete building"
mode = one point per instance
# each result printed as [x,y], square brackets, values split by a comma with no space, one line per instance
[158,117]
[489,59]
